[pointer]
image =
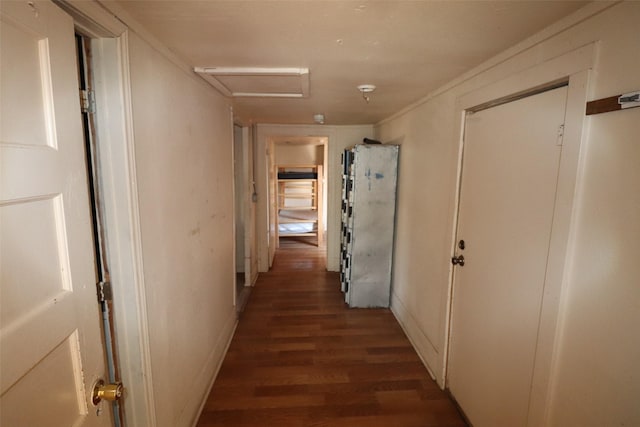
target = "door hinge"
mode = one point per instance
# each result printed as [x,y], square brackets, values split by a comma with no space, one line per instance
[560,134]
[87,101]
[104,291]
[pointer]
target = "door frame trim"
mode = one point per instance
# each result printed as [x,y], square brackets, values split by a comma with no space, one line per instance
[116,170]
[574,68]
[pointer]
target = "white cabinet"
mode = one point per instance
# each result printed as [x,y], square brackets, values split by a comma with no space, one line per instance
[368,221]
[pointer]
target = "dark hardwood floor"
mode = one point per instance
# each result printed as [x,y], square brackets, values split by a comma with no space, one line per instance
[301,357]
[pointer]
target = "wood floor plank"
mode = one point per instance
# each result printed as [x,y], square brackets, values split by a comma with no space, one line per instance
[301,358]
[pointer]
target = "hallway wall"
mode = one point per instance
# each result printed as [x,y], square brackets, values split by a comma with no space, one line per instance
[183,155]
[595,375]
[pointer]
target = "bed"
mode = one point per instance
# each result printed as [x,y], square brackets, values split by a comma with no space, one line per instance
[299,202]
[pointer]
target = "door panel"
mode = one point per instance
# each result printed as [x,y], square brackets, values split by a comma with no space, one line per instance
[27,83]
[58,369]
[50,339]
[510,168]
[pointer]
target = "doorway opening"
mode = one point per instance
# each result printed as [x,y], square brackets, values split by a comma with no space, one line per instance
[241,178]
[298,193]
[105,299]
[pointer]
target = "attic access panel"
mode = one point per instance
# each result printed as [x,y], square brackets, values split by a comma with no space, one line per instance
[258,82]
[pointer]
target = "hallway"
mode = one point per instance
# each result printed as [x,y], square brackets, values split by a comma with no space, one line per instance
[300,357]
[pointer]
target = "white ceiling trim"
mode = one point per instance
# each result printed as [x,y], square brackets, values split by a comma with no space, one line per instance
[210,74]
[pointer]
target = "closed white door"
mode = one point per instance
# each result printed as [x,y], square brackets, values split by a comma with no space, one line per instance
[509,177]
[51,350]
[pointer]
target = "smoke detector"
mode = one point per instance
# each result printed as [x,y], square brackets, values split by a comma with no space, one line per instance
[366,89]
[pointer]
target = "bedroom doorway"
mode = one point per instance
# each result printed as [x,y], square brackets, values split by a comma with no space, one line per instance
[299,196]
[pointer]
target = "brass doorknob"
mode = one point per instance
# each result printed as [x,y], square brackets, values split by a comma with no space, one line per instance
[108,392]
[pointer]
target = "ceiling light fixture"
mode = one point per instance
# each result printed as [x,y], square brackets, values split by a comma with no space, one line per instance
[365,89]
[318,118]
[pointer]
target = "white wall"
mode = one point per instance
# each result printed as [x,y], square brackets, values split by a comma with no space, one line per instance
[339,138]
[183,154]
[595,374]
[299,154]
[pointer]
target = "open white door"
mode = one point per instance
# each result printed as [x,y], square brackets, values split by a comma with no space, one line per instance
[273,200]
[51,351]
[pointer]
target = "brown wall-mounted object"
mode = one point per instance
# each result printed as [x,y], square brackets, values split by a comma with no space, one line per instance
[611,103]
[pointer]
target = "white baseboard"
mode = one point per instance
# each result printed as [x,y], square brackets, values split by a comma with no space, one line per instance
[426,350]
[209,372]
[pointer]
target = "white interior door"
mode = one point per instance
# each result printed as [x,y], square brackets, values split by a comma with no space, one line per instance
[239,195]
[274,240]
[509,178]
[50,339]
